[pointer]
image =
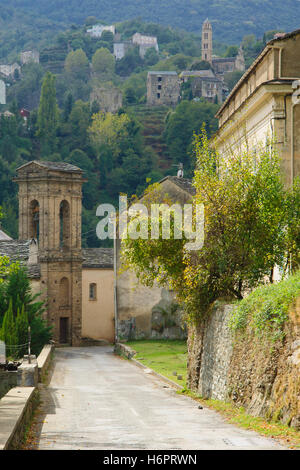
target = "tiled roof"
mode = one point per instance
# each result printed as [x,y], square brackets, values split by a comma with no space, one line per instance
[4,236]
[56,166]
[101,258]
[154,72]
[18,250]
[184,183]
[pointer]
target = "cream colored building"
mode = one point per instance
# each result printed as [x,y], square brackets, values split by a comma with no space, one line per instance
[264,105]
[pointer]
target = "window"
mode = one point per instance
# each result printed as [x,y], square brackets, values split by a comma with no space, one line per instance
[205,35]
[93,291]
[159,87]
[158,96]
[64,214]
[34,219]
[159,79]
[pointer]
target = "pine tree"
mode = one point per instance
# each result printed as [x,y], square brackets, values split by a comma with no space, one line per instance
[9,333]
[47,122]
[22,330]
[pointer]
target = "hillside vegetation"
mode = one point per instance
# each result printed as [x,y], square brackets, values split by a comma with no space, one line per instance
[232,19]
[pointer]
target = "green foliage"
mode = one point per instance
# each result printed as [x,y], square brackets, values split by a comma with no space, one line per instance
[244,231]
[265,310]
[188,119]
[103,63]
[77,65]
[231,79]
[20,308]
[47,122]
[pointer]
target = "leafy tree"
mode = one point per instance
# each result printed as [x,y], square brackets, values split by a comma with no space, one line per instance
[232,51]
[47,121]
[231,78]
[8,332]
[22,330]
[103,63]
[201,65]
[151,56]
[77,65]
[244,234]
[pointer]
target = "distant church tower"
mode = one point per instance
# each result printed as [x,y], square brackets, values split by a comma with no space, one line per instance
[207,44]
[50,195]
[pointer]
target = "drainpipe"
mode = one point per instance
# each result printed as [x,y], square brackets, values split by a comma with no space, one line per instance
[295,102]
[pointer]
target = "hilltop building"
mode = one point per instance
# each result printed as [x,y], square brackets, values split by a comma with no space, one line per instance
[110,100]
[76,283]
[30,56]
[121,48]
[220,65]
[96,30]
[163,88]
[265,105]
[145,43]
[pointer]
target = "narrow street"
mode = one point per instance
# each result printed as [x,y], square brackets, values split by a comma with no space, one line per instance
[96,400]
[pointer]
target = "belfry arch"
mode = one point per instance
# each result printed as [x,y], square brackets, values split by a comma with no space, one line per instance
[34,219]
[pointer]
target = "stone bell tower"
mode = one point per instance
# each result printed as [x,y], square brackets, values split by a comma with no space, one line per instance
[207,44]
[50,198]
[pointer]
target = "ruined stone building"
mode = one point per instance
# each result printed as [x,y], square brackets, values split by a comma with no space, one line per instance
[204,84]
[163,88]
[9,71]
[30,56]
[109,99]
[220,65]
[76,283]
[265,105]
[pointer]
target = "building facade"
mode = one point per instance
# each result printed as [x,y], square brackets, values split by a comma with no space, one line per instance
[144,43]
[2,92]
[207,41]
[163,88]
[96,30]
[204,84]
[265,105]
[30,56]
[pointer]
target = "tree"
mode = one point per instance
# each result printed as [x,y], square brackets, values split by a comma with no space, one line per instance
[22,330]
[47,122]
[231,78]
[244,231]
[8,332]
[103,63]
[77,65]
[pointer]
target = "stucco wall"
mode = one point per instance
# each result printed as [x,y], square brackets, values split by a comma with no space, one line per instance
[98,315]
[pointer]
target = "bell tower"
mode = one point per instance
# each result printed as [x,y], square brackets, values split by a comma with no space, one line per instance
[50,204]
[207,44]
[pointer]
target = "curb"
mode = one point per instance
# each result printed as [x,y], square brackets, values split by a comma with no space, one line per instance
[130,353]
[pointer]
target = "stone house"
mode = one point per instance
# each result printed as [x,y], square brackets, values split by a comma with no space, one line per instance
[264,105]
[144,43]
[204,84]
[121,48]
[142,311]
[163,88]
[77,284]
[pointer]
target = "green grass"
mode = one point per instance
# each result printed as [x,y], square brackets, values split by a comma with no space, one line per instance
[163,356]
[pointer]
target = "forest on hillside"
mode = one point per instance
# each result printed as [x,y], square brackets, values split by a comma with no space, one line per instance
[231,19]
[119,153]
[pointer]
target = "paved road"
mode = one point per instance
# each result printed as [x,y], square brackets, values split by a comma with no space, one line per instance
[99,401]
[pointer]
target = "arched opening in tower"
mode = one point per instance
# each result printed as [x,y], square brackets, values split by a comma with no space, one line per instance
[64,214]
[34,219]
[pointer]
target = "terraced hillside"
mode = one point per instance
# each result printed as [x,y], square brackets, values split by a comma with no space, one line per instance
[153,121]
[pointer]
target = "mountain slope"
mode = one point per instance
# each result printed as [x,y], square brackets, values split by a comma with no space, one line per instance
[231,19]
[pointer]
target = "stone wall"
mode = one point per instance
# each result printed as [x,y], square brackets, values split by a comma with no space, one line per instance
[261,376]
[109,100]
[8,380]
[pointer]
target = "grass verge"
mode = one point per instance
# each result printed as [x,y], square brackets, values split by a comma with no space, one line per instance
[163,356]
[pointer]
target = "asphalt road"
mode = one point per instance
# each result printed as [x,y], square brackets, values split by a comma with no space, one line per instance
[96,400]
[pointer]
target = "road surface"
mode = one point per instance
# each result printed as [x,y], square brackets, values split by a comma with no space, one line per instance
[96,400]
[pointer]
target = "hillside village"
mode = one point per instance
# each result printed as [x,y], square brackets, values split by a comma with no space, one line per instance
[111,110]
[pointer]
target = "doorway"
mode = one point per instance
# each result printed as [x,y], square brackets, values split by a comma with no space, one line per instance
[64,330]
